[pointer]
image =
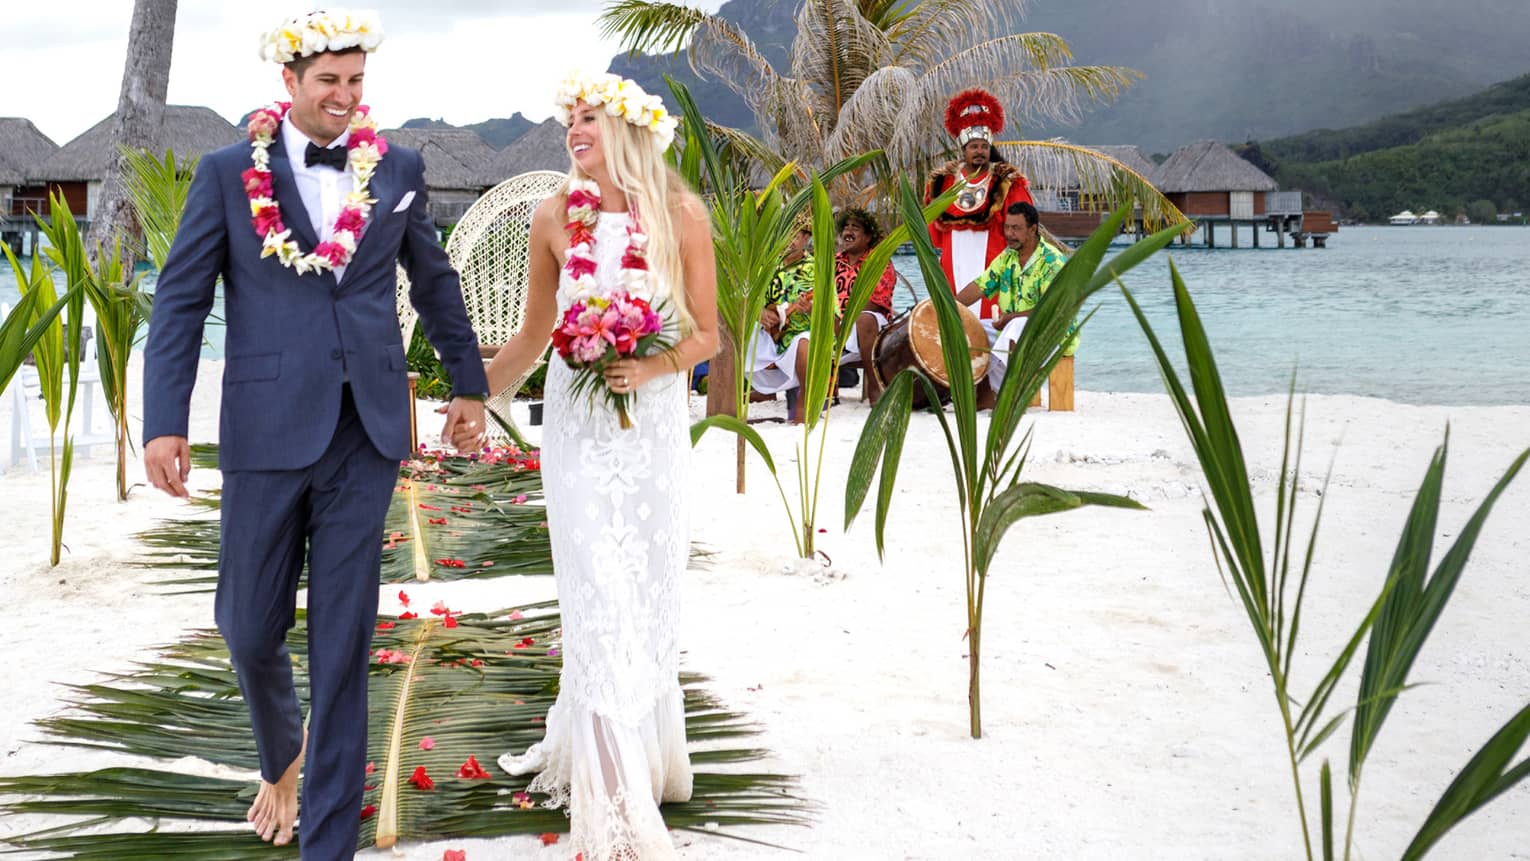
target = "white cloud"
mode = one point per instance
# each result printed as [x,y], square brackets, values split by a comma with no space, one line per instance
[459,60]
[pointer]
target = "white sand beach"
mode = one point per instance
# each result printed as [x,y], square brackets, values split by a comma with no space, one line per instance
[1127,712]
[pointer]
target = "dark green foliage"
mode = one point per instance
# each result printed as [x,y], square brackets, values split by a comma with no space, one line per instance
[1468,155]
[434,383]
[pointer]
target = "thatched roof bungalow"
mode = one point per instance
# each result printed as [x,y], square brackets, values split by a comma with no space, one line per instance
[457,167]
[542,148]
[1206,179]
[22,148]
[79,167]
[1055,184]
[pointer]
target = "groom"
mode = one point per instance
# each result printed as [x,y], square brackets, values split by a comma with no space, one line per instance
[315,401]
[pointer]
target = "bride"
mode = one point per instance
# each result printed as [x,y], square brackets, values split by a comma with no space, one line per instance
[616,498]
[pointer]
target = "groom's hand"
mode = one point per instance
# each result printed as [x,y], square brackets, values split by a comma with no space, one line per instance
[465,428]
[167,462]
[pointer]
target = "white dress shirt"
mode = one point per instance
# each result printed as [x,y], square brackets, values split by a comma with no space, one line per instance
[323,189]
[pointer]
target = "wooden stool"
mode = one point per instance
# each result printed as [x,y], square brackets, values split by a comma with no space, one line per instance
[1060,386]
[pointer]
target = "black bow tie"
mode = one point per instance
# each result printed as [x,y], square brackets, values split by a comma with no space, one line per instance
[328,156]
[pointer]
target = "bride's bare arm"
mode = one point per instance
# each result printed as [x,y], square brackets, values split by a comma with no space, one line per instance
[518,354]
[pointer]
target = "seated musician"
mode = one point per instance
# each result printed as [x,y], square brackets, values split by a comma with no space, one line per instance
[779,352]
[1015,280]
[858,233]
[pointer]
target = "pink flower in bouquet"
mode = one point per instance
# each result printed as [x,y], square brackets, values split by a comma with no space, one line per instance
[361,136]
[579,266]
[589,348]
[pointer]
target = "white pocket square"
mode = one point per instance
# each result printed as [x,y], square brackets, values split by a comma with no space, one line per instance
[403,203]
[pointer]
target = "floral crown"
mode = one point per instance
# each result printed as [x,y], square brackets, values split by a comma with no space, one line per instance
[318,32]
[622,97]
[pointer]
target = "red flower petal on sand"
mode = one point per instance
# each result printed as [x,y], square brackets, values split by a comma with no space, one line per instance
[440,608]
[549,838]
[427,743]
[422,780]
[369,811]
[471,770]
[403,616]
[403,597]
[449,621]
[386,626]
[454,855]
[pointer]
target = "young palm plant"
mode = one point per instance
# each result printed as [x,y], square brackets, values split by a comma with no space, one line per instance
[56,350]
[121,310]
[826,346]
[990,495]
[750,232]
[1398,622]
[876,75]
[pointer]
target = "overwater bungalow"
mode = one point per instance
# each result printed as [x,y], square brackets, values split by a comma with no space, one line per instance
[1407,216]
[1066,211]
[79,167]
[22,148]
[1212,185]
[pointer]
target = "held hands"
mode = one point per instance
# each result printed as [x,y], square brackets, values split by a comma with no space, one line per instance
[466,428]
[167,463]
[770,319]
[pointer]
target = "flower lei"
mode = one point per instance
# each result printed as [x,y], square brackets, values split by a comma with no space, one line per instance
[583,209]
[364,149]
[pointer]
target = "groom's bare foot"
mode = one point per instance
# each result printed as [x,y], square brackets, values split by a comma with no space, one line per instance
[275,810]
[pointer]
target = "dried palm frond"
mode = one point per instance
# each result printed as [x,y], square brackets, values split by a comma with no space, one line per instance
[477,686]
[1104,184]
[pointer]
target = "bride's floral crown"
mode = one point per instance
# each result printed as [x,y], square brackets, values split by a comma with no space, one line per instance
[318,32]
[622,97]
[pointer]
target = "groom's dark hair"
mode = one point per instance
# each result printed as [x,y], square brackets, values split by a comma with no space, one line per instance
[301,64]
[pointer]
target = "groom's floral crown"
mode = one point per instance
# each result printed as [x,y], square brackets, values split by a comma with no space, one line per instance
[318,32]
[622,97]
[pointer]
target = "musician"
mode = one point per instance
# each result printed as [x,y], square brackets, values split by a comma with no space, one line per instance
[1015,282]
[858,233]
[970,234]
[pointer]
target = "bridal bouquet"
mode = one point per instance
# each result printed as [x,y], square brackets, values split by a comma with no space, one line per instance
[598,330]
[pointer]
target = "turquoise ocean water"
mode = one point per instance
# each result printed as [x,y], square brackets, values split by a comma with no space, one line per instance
[1424,315]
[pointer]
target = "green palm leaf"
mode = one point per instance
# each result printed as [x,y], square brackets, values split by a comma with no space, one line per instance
[478,688]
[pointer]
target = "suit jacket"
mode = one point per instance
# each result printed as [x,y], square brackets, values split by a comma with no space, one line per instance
[292,340]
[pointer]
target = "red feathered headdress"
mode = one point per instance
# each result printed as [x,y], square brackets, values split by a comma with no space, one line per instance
[973,114]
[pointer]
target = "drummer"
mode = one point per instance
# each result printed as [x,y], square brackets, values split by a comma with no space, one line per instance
[1015,281]
[858,233]
[779,351]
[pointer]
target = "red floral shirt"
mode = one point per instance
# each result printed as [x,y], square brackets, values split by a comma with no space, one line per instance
[844,277]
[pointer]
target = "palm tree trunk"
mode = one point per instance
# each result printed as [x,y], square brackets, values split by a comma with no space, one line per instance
[122,446]
[140,114]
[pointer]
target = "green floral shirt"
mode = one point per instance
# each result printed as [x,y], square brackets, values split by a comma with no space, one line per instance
[790,283]
[1018,288]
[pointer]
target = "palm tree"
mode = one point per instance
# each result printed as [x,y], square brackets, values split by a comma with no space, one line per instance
[876,74]
[140,113]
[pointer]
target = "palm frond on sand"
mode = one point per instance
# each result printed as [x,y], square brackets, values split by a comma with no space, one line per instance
[475,686]
[452,517]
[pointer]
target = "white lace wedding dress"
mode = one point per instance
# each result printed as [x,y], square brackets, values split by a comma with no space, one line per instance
[615,744]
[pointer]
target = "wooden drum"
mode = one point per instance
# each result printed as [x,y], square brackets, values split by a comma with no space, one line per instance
[913,340]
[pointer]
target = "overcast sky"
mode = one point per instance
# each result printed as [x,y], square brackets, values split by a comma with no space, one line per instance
[458,60]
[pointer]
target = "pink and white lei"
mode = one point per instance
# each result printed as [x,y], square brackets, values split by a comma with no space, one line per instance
[364,150]
[583,210]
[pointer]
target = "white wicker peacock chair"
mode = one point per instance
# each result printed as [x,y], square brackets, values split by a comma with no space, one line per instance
[489,249]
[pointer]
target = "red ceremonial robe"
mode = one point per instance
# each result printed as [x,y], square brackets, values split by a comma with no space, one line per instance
[1007,186]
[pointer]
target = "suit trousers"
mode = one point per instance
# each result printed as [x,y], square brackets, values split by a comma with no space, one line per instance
[334,510]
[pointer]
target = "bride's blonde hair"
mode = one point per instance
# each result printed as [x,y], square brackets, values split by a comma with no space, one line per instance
[654,192]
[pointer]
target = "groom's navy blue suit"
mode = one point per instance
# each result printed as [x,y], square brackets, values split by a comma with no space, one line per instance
[315,418]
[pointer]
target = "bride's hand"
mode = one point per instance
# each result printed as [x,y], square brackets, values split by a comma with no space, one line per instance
[624,376]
